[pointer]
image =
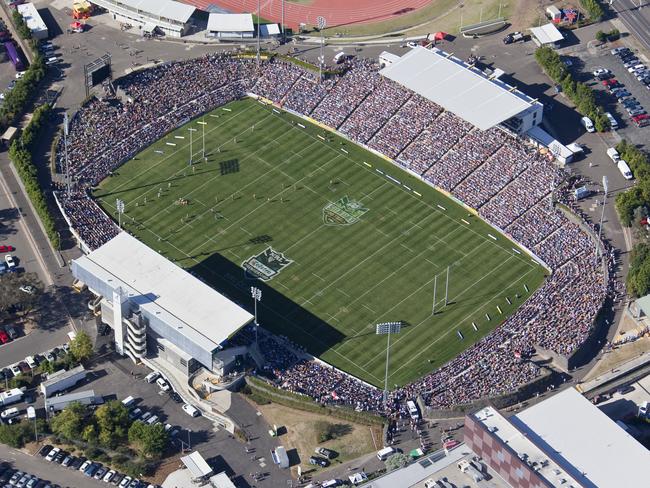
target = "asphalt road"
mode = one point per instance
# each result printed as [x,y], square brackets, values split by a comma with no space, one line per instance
[636,18]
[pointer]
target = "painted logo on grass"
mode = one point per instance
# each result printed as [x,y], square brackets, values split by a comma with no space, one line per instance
[266,265]
[345,211]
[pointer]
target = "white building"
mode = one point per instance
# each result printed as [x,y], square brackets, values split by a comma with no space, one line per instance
[231,26]
[482,100]
[167,16]
[547,35]
[269,30]
[33,20]
[155,306]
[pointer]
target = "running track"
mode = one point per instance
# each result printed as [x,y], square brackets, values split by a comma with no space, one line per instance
[336,12]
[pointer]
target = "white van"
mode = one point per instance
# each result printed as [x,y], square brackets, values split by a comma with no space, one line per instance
[151,377]
[413,409]
[385,453]
[10,413]
[191,410]
[588,124]
[612,121]
[625,170]
[128,401]
[339,57]
[613,154]
[31,413]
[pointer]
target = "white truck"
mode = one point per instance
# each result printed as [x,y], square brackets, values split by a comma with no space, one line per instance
[62,380]
[11,396]
[279,455]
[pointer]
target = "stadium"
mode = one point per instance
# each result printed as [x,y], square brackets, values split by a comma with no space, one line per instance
[352,201]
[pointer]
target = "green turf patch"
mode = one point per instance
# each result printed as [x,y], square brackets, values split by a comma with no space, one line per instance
[337,238]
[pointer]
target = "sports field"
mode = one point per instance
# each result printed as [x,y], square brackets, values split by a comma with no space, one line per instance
[336,238]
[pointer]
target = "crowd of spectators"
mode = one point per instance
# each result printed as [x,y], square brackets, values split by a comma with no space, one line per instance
[509,183]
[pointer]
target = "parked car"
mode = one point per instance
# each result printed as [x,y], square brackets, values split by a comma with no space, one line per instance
[44,450]
[151,377]
[67,461]
[99,474]
[6,248]
[85,465]
[135,414]
[600,71]
[11,262]
[29,289]
[4,338]
[328,453]
[76,464]
[617,51]
[146,416]
[52,454]
[125,481]
[117,478]
[163,385]
[60,456]
[108,476]
[191,410]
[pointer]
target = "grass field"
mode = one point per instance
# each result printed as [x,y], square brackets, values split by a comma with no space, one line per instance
[356,247]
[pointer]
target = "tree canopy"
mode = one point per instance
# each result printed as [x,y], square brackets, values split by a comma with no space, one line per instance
[81,347]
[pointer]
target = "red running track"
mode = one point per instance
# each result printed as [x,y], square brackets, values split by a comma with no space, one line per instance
[336,12]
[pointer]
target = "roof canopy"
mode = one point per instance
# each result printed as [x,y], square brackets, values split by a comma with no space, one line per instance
[165,290]
[196,465]
[547,34]
[452,84]
[230,23]
[584,441]
[167,9]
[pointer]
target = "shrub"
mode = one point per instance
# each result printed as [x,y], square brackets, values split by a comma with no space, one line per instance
[593,9]
[601,36]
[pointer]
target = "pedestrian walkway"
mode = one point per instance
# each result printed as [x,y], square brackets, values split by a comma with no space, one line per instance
[622,370]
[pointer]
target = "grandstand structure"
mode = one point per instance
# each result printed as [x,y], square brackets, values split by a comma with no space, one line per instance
[494,174]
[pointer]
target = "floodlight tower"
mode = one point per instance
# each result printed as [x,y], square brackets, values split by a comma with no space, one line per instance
[387,328]
[602,216]
[322,23]
[256,293]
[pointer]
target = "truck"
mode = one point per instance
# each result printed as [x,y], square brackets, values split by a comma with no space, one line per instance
[413,409]
[11,396]
[279,455]
[62,380]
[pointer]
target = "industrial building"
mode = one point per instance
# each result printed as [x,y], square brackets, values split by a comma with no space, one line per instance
[158,308]
[33,20]
[482,100]
[231,26]
[165,16]
[563,441]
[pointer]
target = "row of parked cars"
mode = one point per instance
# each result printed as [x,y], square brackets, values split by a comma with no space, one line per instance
[31,362]
[629,103]
[10,478]
[90,468]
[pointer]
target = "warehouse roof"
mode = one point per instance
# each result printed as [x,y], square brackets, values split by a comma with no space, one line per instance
[31,17]
[165,290]
[196,465]
[457,87]
[584,441]
[230,23]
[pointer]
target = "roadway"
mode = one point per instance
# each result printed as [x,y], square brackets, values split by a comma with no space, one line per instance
[636,16]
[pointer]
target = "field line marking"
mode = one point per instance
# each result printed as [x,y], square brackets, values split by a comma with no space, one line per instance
[405,335]
[453,330]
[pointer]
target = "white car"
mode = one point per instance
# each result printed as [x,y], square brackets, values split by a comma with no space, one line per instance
[191,410]
[20,74]
[52,454]
[109,476]
[601,71]
[412,44]
[9,259]
[151,377]
[163,385]
[124,483]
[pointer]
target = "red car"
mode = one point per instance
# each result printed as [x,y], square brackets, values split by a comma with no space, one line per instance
[4,248]
[4,338]
[610,82]
[639,118]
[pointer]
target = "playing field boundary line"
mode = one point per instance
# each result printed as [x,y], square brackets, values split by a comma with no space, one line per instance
[444,334]
[442,300]
[428,205]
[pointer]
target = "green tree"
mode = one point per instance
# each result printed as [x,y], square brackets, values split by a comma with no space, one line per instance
[81,347]
[614,35]
[396,461]
[601,36]
[70,422]
[113,422]
[638,277]
[626,203]
[149,440]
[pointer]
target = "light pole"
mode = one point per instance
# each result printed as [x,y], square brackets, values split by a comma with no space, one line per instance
[256,293]
[387,328]
[602,215]
[203,124]
[258,34]
[320,20]
[119,205]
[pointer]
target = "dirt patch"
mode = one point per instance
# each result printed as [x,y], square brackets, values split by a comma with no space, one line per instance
[168,466]
[301,434]
[618,356]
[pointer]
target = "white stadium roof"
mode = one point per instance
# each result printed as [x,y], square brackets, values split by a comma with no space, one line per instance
[166,290]
[586,443]
[547,34]
[230,23]
[168,9]
[452,84]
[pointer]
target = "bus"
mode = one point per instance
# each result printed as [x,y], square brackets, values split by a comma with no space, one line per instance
[14,56]
[413,410]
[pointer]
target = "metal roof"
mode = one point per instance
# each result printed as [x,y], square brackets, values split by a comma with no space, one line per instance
[585,442]
[32,18]
[221,480]
[458,88]
[168,9]
[53,402]
[62,375]
[230,23]
[196,464]
[166,291]
[547,34]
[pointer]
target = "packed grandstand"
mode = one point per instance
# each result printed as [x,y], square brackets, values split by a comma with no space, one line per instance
[508,182]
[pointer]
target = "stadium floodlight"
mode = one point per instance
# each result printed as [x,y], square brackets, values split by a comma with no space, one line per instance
[256,293]
[119,205]
[602,216]
[322,23]
[387,328]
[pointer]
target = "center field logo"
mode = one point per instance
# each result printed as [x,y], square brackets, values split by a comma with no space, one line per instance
[266,264]
[345,211]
